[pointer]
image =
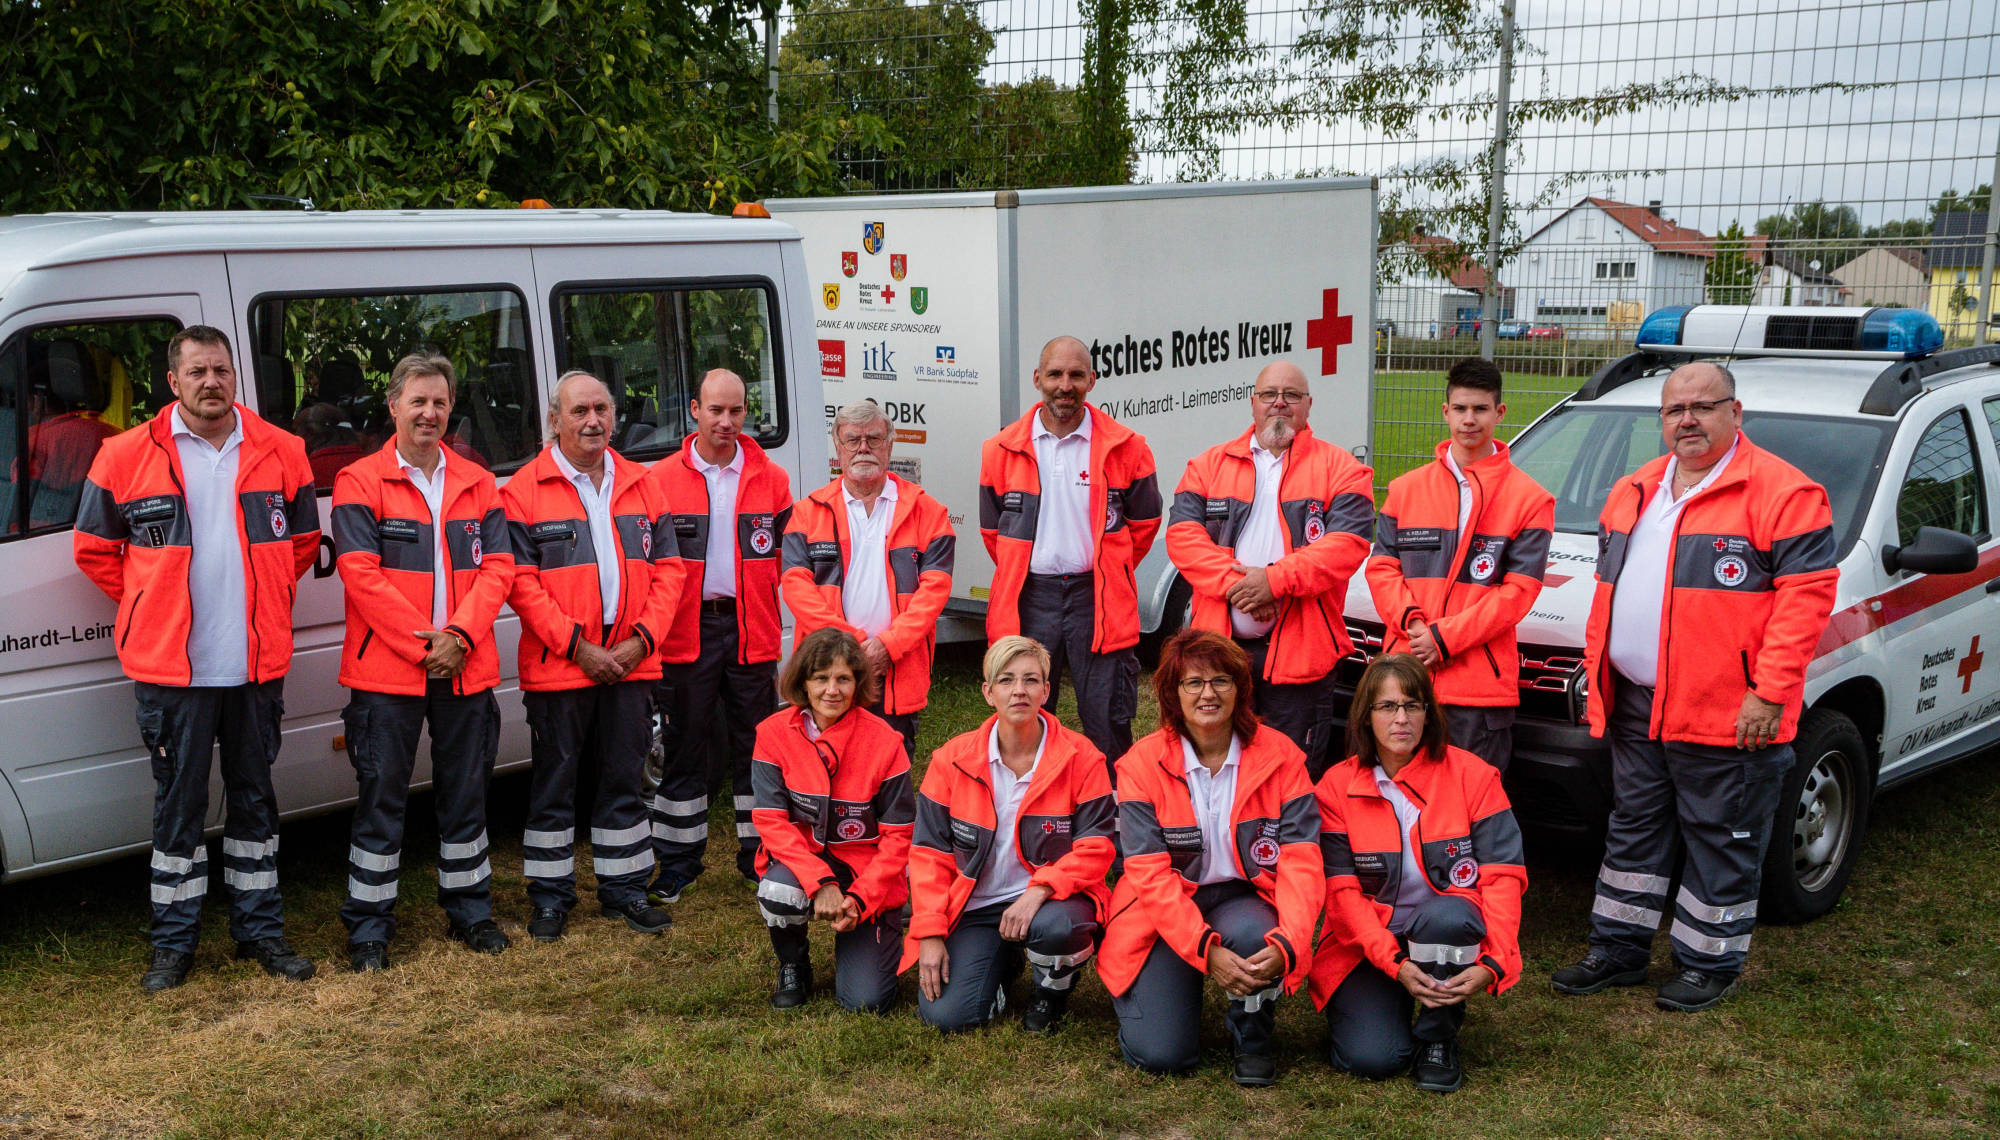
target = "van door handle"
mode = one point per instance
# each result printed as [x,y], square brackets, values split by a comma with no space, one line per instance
[1993,586]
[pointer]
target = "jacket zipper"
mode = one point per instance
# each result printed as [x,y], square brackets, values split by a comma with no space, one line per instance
[1745,655]
[132,618]
[366,637]
[1491,661]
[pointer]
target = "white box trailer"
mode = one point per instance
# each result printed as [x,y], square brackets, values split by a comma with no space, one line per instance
[936,307]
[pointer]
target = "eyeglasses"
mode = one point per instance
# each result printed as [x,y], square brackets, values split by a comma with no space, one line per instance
[1193,686]
[1286,397]
[1411,709]
[1702,410]
[875,442]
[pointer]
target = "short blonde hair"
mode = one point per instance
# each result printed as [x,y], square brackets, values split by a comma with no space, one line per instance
[1008,648]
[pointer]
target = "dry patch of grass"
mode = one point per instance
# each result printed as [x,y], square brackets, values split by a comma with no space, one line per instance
[1875,1021]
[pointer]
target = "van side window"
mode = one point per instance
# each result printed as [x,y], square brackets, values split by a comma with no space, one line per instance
[651,345]
[1943,487]
[64,390]
[323,363]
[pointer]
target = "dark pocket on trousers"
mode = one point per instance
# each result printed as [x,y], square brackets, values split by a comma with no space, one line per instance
[355,719]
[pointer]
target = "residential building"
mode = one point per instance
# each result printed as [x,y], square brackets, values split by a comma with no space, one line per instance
[1888,275]
[1601,265]
[1957,251]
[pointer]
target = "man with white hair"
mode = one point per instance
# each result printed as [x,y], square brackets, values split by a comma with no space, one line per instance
[1267,529]
[871,553]
[596,583]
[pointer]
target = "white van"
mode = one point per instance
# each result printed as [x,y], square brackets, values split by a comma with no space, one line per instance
[319,307]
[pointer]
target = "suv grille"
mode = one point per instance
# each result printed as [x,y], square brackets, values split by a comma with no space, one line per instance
[1545,671]
[1795,330]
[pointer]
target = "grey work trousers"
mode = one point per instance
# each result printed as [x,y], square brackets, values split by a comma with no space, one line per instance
[693,696]
[1061,938]
[1304,712]
[1483,730]
[604,730]
[864,959]
[1703,809]
[1060,611]
[1368,1019]
[1159,1017]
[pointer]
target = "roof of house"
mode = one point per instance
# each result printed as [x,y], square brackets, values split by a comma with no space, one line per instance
[1798,263]
[1912,256]
[1436,250]
[1959,240]
[1663,234]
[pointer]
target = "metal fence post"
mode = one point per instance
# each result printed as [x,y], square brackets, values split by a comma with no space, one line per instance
[1992,246]
[771,65]
[1496,189]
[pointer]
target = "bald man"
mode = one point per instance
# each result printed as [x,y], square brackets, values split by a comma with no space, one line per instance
[1267,529]
[597,582]
[729,504]
[1068,505]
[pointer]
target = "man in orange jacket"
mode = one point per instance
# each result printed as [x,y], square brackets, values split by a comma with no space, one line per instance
[1459,552]
[596,581]
[871,553]
[719,662]
[1267,529]
[1068,506]
[421,544]
[1732,548]
[199,525]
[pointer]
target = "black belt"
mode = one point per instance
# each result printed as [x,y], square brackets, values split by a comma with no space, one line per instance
[1061,579]
[718,605]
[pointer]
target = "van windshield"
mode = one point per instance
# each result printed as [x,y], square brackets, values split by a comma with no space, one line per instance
[1579,450]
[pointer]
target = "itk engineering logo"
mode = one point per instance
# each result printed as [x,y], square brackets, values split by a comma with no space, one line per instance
[878,362]
[833,359]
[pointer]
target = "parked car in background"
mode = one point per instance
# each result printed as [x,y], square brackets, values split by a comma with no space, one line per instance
[1906,439]
[1511,330]
[1544,332]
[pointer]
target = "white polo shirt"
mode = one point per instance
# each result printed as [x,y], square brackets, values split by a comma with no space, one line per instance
[718,575]
[1064,534]
[603,533]
[219,640]
[1262,540]
[432,490]
[1641,596]
[1005,877]
[1413,888]
[1214,798]
[865,588]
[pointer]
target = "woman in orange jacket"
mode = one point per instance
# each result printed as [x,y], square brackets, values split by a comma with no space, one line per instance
[1222,866]
[1014,836]
[834,811]
[1423,884]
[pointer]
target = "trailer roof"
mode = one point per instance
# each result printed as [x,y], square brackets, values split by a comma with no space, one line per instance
[38,241]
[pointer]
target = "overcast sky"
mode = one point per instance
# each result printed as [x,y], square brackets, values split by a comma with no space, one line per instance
[1934,123]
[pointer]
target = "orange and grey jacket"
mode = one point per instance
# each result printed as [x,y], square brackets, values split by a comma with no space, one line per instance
[1326,501]
[383,538]
[1751,579]
[1063,836]
[844,796]
[556,590]
[763,507]
[921,550]
[1471,595]
[134,538]
[1124,496]
[1466,841]
[1276,825]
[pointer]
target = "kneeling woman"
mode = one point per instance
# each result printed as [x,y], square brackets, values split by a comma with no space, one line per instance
[1424,882]
[1014,836]
[1222,866]
[834,808]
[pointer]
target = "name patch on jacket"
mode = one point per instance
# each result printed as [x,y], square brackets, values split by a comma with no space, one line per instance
[397,530]
[1216,508]
[1182,838]
[1420,538]
[1372,869]
[1013,501]
[551,531]
[964,834]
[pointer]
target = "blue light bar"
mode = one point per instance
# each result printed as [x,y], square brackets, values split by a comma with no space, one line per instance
[1911,332]
[1663,326]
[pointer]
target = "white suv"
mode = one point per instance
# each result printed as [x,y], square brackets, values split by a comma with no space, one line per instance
[1903,438]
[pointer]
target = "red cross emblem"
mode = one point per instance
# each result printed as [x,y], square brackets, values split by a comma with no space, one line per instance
[1731,573]
[1721,544]
[1048,827]
[888,294]
[1969,665]
[1328,331]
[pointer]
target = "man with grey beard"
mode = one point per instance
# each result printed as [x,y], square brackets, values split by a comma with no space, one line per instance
[1267,529]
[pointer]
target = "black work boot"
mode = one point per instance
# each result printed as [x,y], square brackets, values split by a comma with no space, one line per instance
[547,923]
[1692,991]
[1436,1068]
[1045,1010]
[169,968]
[278,958]
[1597,972]
[484,936]
[795,972]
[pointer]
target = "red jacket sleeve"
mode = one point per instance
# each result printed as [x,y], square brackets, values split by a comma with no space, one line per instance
[538,609]
[935,562]
[989,497]
[1142,500]
[1301,875]
[301,507]
[357,511]
[882,884]
[1805,579]
[771,811]
[1503,878]
[1505,605]
[933,867]
[1208,567]
[1150,869]
[1092,819]
[1395,603]
[1351,916]
[663,600]
[97,543]
[481,604]
[1324,567]
[810,608]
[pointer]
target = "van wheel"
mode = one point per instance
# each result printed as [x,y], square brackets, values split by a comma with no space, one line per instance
[1174,617]
[1822,814]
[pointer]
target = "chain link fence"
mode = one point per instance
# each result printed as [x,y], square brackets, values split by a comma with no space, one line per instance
[1762,151]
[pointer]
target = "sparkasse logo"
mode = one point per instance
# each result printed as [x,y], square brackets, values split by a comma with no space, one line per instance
[833,358]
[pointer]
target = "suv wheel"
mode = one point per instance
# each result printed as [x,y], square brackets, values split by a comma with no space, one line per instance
[656,757]
[1174,617]
[1822,813]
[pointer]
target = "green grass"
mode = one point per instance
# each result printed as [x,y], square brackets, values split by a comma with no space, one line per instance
[1876,1021]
